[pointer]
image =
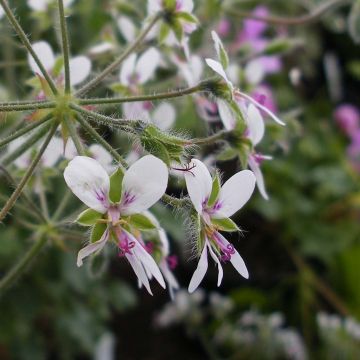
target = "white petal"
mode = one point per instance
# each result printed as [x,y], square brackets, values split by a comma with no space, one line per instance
[1,12]
[198,184]
[218,68]
[153,6]
[227,116]
[144,183]
[102,156]
[259,177]
[217,261]
[80,67]
[235,193]
[237,261]
[23,161]
[263,108]
[186,6]
[101,48]
[127,28]
[45,54]
[254,72]
[92,248]
[255,124]
[89,181]
[164,116]
[70,150]
[200,271]
[128,69]
[169,278]
[136,111]
[232,72]
[53,152]
[139,271]
[147,64]
[217,43]
[148,262]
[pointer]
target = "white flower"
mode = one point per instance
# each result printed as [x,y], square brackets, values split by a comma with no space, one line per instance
[127,28]
[227,115]
[138,70]
[232,196]
[80,66]
[142,186]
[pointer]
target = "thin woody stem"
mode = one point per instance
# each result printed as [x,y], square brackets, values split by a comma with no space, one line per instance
[20,32]
[298,20]
[20,267]
[74,136]
[110,68]
[93,133]
[26,129]
[159,96]
[29,106]
[18,190]
[65,46]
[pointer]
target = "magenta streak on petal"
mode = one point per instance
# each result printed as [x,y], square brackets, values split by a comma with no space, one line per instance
[133,79]
[259,158]
[179,5]
[124,244]
[260,98]
[172,261]
[149,247]
[226,249]
[101,196]
[128,198]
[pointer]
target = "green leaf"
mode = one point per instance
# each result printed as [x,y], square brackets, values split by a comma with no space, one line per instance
[226,154]
[88,217]
[97,231]
[354,22]
[157,149]
[216,186]
[225,224]
[177,29]
[277,47]
[116,185]
[141,222]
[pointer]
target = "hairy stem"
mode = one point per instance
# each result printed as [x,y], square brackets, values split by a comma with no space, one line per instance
[20,267]
[65,45]
[18,190]
[24,130]
[20,32]
[298,20]
[221,135]
[110,68]
[74,136]
[159,96]
[29,106]
[98,138]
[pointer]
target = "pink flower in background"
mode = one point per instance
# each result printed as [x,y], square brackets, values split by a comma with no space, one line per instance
[224,27]
[263,94]
[347,117]
[353,151]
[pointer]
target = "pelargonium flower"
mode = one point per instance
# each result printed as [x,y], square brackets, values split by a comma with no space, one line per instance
[227,110]
[80,66]
[214,205]
[116,205]
[348,118]
[137,70]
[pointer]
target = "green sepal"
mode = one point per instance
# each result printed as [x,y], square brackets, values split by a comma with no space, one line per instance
[141,222]
[157,149]
[223,56]
[88,217]
[59,63]
[277,47]
[116,185]
[97,232]
[170,5]
[187,17]
[225,224]
[177,28]
[215,190]
[163,32]
[227,154]
[154,131]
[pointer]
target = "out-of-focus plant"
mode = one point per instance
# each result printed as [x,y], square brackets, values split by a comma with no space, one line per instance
[181,81]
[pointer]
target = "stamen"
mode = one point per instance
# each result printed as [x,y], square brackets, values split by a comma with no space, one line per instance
[186,168]
[172,261]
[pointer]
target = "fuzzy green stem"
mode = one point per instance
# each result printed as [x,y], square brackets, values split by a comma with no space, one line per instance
[20,267]
[33,139]
[74,136]
[103,119]
[29,106]
[62,206]
[18,190]
[24,130]
[174,201]
[298,20]
[159,96]
[20,32]
[110,68]
[65,45]
[221,135]
[92,132]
